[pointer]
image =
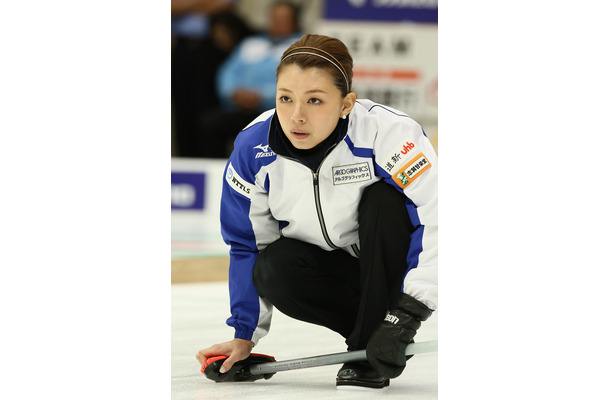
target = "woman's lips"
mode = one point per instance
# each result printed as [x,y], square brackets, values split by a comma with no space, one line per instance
[299,134]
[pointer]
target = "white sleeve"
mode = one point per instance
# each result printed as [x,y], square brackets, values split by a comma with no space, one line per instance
[406,159]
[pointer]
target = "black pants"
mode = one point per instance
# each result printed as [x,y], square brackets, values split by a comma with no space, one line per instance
[331,288]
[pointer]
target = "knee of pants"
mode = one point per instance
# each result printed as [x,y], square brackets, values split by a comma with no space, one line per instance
[261,277]
[382,202]
[268,269]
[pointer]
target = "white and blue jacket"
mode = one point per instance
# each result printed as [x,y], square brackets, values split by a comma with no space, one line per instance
[262,190]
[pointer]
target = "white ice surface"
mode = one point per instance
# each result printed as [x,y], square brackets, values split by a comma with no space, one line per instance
[199,311]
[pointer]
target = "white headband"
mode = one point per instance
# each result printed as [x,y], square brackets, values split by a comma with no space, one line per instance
[315,54]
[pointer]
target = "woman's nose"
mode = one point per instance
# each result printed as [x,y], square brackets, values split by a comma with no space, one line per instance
[298,116]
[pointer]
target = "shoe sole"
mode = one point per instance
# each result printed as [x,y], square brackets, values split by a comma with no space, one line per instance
[346,383]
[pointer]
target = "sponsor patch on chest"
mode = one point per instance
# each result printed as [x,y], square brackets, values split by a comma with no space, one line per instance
[411,171]
[351,173]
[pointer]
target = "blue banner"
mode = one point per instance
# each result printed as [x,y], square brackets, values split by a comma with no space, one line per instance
[188,190]
[423,11]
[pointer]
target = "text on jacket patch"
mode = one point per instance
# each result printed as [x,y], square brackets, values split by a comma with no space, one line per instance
[237,183]
[411,171]
[351,173]
[398,157]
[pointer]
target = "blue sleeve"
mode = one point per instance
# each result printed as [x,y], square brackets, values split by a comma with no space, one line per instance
[236,229]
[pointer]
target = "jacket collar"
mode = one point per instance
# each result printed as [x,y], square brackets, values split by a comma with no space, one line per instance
[279,143]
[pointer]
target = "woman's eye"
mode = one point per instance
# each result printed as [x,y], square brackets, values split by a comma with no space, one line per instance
[315,101]
[284,99]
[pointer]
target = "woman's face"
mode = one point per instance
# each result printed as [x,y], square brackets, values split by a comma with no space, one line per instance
[309,105]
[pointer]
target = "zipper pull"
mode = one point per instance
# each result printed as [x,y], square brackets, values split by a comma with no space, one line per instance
[315,178]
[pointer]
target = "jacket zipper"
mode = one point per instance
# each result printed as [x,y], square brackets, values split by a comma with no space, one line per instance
[316,191]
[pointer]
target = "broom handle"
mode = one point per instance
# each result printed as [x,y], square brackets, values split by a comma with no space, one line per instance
[336,358]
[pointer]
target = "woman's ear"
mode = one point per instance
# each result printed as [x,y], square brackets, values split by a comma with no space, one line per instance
[348,103]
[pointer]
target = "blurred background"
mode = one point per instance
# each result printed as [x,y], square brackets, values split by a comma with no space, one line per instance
[224,55]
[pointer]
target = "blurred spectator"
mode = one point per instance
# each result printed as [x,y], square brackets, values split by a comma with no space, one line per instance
[246,80]
[227,30]
[195,59]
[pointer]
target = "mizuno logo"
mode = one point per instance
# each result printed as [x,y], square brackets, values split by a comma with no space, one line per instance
[265,152]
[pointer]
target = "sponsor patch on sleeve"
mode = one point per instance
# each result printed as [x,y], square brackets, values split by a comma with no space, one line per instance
[411,171]
[237,183]
[398,156]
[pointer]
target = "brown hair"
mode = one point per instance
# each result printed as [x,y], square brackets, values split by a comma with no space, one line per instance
[319,51]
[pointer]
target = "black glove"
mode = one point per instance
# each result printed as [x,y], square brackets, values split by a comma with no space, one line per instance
[386,348]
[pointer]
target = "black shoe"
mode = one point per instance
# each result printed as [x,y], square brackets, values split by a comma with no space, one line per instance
[360,374]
